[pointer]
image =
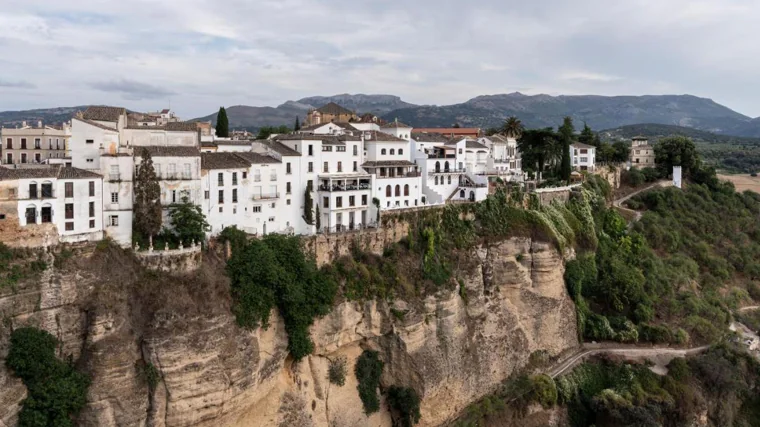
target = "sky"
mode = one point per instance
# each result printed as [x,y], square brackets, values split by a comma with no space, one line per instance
[195,55]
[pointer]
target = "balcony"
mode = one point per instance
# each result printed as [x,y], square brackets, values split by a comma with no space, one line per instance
[175,176]
[403,175]
[442,156]
[265,196]
[449,170]
[346,187]
[114,176]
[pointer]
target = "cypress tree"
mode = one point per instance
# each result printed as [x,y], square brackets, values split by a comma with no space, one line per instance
[147,192]
[566,134]
[308,212]
[222,124]
[297,126]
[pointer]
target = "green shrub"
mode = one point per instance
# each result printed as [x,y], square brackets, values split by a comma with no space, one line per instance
[406,403]
[368,370]
[274,272]
[544,390]
[336,371]
[152,376]
[56,391]
[235,236]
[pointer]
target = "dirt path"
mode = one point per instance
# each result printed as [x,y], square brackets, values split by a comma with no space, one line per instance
[637,214]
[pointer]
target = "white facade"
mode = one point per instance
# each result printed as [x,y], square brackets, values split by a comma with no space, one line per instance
[397,180]
[69,198]
[397,129]
[583,156]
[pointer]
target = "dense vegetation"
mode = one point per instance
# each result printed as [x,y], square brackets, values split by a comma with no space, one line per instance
[405,403]
[368,369]
[56,391]
[17,265]
[274,272]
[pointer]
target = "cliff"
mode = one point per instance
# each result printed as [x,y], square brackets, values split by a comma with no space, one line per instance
[114,318]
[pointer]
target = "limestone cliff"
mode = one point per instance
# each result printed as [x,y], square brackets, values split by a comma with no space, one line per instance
[114,319]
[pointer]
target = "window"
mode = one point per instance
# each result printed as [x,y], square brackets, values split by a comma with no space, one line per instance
[92,223]
[584,159]
[400,151]
[221,196]
[398,190]
[351,200]
[92,188]
[287,169]
[449,179]
[220,179]
[245,175]
[436,180]
[69,226]
[287,188]
[221,209]
[37,143]
[23,157]
[257,175]
[90,141]
[92,209]
[364,200]
[406,190]
[2,216]
[172,170]
[341,148]
[325,168]
[9,143]
[311,150]
[234,195]
[69,211]
[325,202]
[187,172]
[69,187]
[90,160]
[382,151]
[311,167]
[234,209]
[36,157]
[31,215]
[340,166]
[114,197]
[356,150]
[234,178]
[273,175]
[271,219]
[326,148]
[9,158]
[388,190]
[339,202]
[460,151]
[256,209]
[356,166]
[393,151]
[23,143]
[174,196]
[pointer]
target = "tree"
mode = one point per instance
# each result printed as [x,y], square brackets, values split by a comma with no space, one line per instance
[620,152]
[539,147]
[456,126]
[318,219]
[188,221]
[147,208]
[587,136]
[266,131]
[676,151]
[308,206]
[222,124]
[512,127]
[566,134]
[297,126]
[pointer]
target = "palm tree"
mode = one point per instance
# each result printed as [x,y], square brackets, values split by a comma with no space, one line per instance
[512,127]
[540,149]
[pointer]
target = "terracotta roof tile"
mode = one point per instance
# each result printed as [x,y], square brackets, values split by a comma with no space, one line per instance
[104,114]
[168,151]
[374,135]
[56,171]
[223,161]
[257,159]
[333,108]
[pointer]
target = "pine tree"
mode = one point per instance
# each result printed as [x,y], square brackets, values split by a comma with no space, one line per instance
[308,206]
[222,124]
[318,219]
[566,134]
[587,136]
[147,193]
[297,126]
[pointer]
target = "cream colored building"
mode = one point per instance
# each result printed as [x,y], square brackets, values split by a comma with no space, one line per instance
[34,144]
[642,154]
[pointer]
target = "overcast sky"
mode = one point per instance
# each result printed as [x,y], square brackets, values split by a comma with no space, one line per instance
[200,54]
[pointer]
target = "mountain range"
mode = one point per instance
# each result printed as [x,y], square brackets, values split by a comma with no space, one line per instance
[600,112]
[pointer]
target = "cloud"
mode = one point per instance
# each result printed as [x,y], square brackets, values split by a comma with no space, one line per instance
[133,90]
[16,84]
[206,53]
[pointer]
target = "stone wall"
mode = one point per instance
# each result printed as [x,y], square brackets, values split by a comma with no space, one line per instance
[182,260]
[560,194]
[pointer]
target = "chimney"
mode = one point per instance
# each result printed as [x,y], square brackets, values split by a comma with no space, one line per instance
[39,124]
[23,124]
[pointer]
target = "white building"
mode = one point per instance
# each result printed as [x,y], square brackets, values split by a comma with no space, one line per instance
[397,180]
[504,159]
[397,129]
[583,156]
[445,175]
[34,145]
[68,198]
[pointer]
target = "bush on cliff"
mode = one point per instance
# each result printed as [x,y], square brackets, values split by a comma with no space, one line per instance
[405,402]
[274,272]
[368,370]
[56,391]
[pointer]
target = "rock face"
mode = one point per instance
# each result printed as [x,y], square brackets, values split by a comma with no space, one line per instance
[452,349]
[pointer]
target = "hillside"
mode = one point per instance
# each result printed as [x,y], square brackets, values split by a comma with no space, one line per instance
[55,115]
[600,112]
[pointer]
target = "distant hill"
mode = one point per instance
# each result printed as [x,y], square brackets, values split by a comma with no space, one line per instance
[49,116]
[243,116]
[656,131]
[600,112]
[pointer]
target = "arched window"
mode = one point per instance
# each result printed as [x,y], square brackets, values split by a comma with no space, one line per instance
[382,151]
[393,151]
[449,179]
[446,166]
[406,189]
[388,191]
[461,194]
[422,199]
[437,166]
[436,180]
[400,151]
[398,190]
[472,196]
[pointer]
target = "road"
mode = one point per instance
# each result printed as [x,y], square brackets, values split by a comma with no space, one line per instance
[637,214]
[627,351]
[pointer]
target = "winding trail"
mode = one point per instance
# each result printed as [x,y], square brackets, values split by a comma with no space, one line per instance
[637,214]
